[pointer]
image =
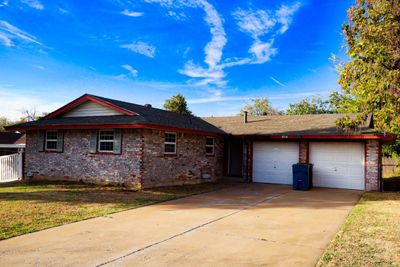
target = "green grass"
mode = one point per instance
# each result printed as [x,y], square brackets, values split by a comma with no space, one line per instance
[29,207]
[370,236]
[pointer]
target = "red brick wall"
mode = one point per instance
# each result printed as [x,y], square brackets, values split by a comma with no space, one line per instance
[372,158]
[303,151]
[186,167]
[76,163]
[142,162]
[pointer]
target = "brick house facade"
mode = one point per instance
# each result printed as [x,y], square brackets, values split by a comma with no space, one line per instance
[100,140]
[141,163]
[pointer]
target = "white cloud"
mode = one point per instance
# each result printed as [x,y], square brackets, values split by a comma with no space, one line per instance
[63,10]
[263,51]
[213,50]
[257,22]
[177,15]
[6,41]
[4,3]
[192,70]
[40,67]
[284,16]
[9,34]
[213,98]
[142,48]
[277,81]
[36,4]
[128,13]
[132,71]
[232,62]
[173,3]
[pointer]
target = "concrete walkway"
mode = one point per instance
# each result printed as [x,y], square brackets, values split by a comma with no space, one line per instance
[247,225]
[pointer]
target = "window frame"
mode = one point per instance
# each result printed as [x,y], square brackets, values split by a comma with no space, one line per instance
[212,146]
[99,141]
[170,143]
[46,140]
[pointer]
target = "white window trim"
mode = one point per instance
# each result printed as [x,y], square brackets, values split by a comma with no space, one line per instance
[170,143]
[51,140]
[213,145]
[105,141]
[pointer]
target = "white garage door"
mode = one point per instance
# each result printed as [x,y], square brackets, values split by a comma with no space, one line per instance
[338,165]
[272,161]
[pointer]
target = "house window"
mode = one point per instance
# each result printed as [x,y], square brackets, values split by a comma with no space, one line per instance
[170,143]
[51,140]
[106,141]
[210,145]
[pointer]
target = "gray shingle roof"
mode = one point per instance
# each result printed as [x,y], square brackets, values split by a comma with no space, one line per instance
[12,138]
[318,124]
[146,115]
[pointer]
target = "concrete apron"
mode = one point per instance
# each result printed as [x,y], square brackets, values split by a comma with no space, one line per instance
[250,224]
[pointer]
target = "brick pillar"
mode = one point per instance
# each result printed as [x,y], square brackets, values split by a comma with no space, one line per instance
[303,151]
[372,159]
[248,161]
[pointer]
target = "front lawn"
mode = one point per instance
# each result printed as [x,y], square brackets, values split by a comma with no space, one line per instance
[370,236]
[26,208]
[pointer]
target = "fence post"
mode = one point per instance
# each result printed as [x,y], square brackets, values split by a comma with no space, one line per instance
[20,164]
[381,186]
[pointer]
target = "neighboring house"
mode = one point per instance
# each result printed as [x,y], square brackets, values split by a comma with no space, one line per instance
[263,149]
[11,142]
[104,140]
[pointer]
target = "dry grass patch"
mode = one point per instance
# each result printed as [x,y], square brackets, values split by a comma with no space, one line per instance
[29,207]
[370,236]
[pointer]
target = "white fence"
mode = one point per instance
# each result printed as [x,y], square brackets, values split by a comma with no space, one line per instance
[10,167]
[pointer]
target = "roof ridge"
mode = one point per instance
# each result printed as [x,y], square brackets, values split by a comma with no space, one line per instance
[143,106]
[283,115]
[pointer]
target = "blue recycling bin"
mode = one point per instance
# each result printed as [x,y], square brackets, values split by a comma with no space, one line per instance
[302,176]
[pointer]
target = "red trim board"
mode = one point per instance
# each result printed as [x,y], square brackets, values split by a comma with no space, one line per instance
[113,126]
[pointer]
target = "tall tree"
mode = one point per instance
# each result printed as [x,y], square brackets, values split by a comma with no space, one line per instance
[372,75]
[27,115]
[177,104]
[4,122]
[30,114]
[336,103]
[343,103]
[259,107]
[313,105]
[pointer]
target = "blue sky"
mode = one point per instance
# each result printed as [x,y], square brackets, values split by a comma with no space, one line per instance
[218,54]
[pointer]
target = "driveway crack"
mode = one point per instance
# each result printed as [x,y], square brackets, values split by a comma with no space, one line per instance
[195,228]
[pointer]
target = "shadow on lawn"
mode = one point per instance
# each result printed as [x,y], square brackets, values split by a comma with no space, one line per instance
[79,193]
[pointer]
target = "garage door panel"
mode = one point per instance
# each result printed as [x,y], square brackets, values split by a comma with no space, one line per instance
[338,165]
[272,161]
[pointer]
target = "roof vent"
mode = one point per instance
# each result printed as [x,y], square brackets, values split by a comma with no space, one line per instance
[147,105]
[245,117]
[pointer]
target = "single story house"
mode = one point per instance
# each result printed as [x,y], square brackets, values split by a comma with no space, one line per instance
[104,140]
[11,143]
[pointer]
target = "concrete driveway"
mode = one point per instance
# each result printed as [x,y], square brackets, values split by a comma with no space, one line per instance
[247,225]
